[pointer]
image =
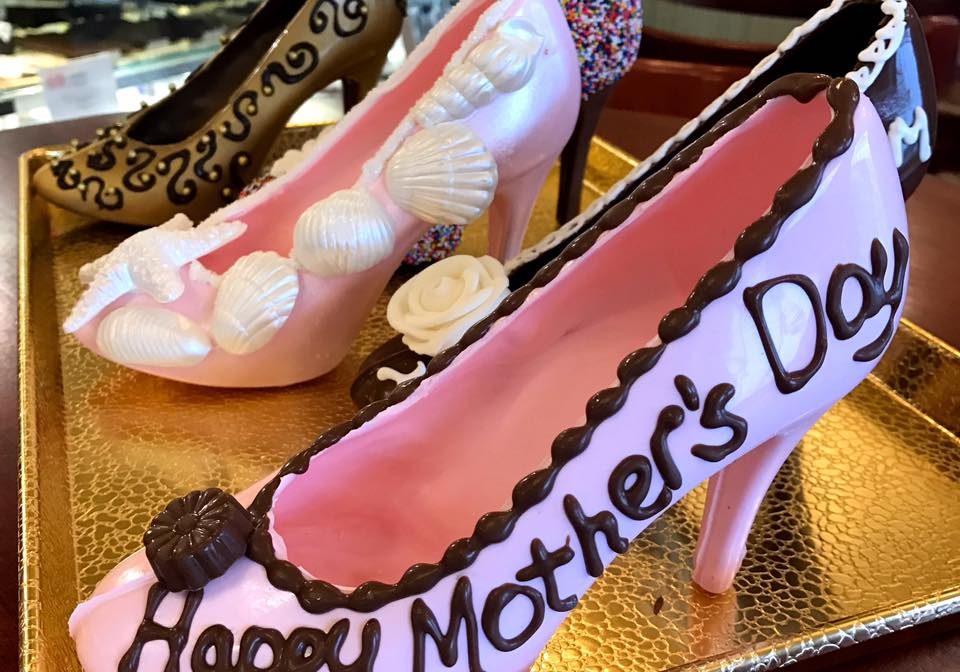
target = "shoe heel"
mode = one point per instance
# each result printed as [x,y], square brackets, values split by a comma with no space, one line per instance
[510,211]
[361,79]
[733,498]
[573,159]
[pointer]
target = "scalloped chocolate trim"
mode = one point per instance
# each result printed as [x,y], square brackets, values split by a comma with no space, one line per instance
[317,596]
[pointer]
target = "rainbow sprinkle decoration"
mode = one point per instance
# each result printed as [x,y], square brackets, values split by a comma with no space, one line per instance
[607,35]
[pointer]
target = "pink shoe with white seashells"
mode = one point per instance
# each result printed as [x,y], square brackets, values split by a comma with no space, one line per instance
[272,289]
[697,329]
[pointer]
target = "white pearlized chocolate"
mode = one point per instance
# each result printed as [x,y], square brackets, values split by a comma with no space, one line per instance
[443,175]
[502,63]
[901,134]
[149,262]
[255,298]
[151,336]
[347,232]
[434,308]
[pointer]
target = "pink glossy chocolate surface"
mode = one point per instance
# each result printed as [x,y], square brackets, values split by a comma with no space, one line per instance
[406,484]
[523,130]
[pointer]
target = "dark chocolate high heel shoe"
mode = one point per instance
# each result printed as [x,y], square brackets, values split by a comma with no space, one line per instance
[194,151]
[879,44]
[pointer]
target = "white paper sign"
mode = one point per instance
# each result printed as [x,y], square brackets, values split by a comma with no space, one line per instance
[81,87]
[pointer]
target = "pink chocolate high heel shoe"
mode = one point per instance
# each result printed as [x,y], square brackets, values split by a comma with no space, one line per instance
[455,524]
[272,289]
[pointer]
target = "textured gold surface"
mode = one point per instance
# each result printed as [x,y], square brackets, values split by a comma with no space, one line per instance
[860,535]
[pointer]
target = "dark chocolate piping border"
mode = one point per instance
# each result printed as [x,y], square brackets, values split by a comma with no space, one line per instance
[317,596]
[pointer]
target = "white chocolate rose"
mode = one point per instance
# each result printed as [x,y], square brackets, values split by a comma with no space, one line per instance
[434,308]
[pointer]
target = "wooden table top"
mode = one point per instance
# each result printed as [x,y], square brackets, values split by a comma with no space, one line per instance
[933,301]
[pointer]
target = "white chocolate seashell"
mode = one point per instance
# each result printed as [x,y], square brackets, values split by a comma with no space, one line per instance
[148,336]
[443,175]
[510,57]
[347,232]
[503,63]
[255,298]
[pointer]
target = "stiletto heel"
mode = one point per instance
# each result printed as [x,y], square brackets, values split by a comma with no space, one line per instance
[733,499]
[510,211]
[573,160]
[361,80]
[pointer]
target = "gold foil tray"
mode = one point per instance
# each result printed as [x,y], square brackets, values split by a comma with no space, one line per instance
[859,536]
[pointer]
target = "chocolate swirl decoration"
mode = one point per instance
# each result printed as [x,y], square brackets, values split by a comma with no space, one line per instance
[354,11]
[106,199]
[302,59]
[244,101]
[68,177]
[189,190]
[104,159]
[142,157]
[207,145]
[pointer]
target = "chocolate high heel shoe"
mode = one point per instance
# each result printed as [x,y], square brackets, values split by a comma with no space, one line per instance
[272,289]
[879,44]
[458,522]
[607,37]
[194,151]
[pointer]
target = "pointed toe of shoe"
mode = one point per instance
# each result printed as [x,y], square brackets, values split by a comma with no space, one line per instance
[45,182]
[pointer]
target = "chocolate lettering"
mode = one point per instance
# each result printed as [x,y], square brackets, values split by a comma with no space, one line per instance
[151,631]
[545,564]
[788,381]
[586,529]
[497,601]
[669,419]
[629,500]
[252,641]
[306,650]
[716,416]
[425,624]
[875,296]
[688,392]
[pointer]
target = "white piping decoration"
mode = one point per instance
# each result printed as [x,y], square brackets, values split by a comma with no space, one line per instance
[901,133]
[386,373]
[149,262]
[887,39]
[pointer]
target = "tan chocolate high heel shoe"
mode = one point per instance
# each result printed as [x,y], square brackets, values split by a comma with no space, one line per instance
[194,151]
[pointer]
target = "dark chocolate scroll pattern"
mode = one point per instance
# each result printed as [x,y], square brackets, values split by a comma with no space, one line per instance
[175,636]
[135,179]
[241,107]
[186,193]
[103,159]
[317,596]
[688,392]
[326,12]
[875,296]
[302,58]
[105,198]
[788,381]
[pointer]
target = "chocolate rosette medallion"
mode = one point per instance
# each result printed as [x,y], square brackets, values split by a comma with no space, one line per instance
[196,538]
